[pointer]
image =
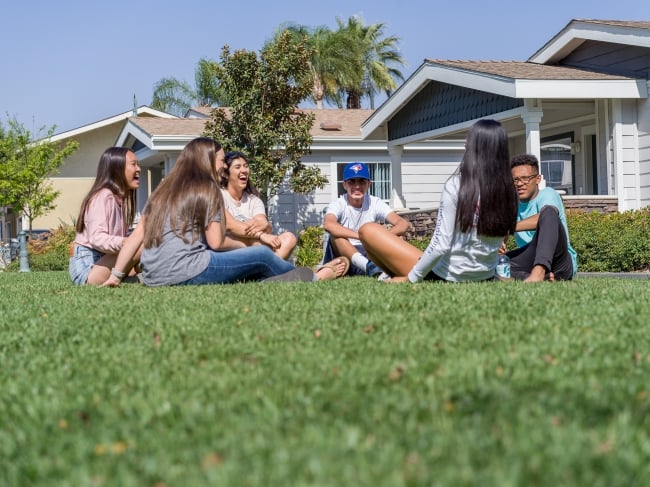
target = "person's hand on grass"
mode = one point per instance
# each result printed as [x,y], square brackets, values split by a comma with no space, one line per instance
[112,281]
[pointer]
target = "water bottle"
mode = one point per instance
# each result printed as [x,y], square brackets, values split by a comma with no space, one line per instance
[503,267]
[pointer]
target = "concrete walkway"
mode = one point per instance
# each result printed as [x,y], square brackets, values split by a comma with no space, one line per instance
[619,275]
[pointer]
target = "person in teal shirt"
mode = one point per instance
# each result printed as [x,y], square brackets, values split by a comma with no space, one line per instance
[543,247]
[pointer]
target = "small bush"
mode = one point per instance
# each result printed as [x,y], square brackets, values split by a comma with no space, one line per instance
[48,252]
[616,242]
[310,246]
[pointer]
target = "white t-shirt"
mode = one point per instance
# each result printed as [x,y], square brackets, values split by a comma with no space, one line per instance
[372,210]
[249,206]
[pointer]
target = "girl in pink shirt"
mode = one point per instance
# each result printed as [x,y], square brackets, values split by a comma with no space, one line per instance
[106,214]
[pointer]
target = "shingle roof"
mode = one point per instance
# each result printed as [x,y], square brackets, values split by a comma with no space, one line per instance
[638,24]
[527,70]
[169,126]
[332,123]
[348,121]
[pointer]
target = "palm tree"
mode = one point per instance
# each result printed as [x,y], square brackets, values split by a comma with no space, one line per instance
[176,97]
[332,62]
[379,59]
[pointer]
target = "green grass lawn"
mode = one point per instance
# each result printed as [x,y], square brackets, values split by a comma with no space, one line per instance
[345,383]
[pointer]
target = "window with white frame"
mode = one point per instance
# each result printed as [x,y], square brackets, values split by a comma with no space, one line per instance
[379,174]
[556,164]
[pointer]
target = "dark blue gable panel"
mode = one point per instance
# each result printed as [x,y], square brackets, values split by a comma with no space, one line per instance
[439,105]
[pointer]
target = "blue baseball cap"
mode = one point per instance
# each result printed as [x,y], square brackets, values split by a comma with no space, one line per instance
[356,170]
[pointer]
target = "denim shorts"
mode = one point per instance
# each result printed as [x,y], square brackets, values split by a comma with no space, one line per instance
[82,260]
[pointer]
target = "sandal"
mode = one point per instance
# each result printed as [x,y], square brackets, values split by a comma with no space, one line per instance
[335,266]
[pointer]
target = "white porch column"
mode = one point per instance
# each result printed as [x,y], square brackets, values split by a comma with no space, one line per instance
[396,197]
[532,117]
[169,163]
[618,156]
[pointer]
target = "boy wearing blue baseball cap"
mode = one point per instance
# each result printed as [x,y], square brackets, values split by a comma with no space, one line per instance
[348,213]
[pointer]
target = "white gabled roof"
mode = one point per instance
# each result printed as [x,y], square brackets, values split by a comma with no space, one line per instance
[514,79]
[141,110]
[631,33]
[535,78]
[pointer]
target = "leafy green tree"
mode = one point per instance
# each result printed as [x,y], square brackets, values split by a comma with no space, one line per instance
[263,120]
[25,167]
[378,56]
[176,97]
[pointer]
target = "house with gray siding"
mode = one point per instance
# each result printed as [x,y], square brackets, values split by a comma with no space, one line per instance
[580,103]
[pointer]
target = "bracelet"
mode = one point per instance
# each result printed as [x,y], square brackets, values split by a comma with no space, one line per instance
[119,274]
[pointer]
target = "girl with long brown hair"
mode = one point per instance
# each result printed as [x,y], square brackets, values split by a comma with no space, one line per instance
[107,212]
[478,208]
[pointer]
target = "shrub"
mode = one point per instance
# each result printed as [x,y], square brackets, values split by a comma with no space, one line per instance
[616,242]
[310,246]
[48,252]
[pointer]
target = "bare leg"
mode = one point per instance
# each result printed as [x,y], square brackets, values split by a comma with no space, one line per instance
[102,269]
[230,242]
[342,246]
[287,239]
[289,242]
[390,252]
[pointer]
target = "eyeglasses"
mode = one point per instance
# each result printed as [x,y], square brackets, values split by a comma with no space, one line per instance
[524,179]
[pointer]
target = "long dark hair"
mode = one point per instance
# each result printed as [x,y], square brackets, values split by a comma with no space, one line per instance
[110,175]
[486,182]
[225,172]
[189,196]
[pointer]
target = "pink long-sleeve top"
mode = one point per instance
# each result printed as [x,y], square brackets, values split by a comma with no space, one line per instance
[105,227]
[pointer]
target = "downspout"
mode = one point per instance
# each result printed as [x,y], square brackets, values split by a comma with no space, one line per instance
[611,178]
[396,195]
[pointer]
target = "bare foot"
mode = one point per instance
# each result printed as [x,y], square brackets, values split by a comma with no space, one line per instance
[537,274]
[335,268]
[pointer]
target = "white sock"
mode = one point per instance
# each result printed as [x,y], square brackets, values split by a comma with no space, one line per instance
[359,261]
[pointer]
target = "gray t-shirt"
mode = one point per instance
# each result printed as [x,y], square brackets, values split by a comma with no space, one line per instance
[174,261]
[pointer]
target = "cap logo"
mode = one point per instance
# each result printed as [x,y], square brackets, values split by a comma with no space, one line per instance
[356,168]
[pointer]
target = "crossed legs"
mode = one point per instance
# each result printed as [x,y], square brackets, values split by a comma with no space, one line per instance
[287,240]
[390,252]
[102,268]
[547,254]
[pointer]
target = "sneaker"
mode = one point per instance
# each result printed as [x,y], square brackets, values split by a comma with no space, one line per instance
[299,274]
[383,277]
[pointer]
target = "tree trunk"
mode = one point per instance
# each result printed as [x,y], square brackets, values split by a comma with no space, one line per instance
[353,100]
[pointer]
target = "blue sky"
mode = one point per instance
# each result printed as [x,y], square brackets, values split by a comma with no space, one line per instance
[70,63]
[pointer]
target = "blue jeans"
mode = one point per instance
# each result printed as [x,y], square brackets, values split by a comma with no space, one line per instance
[247,264]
